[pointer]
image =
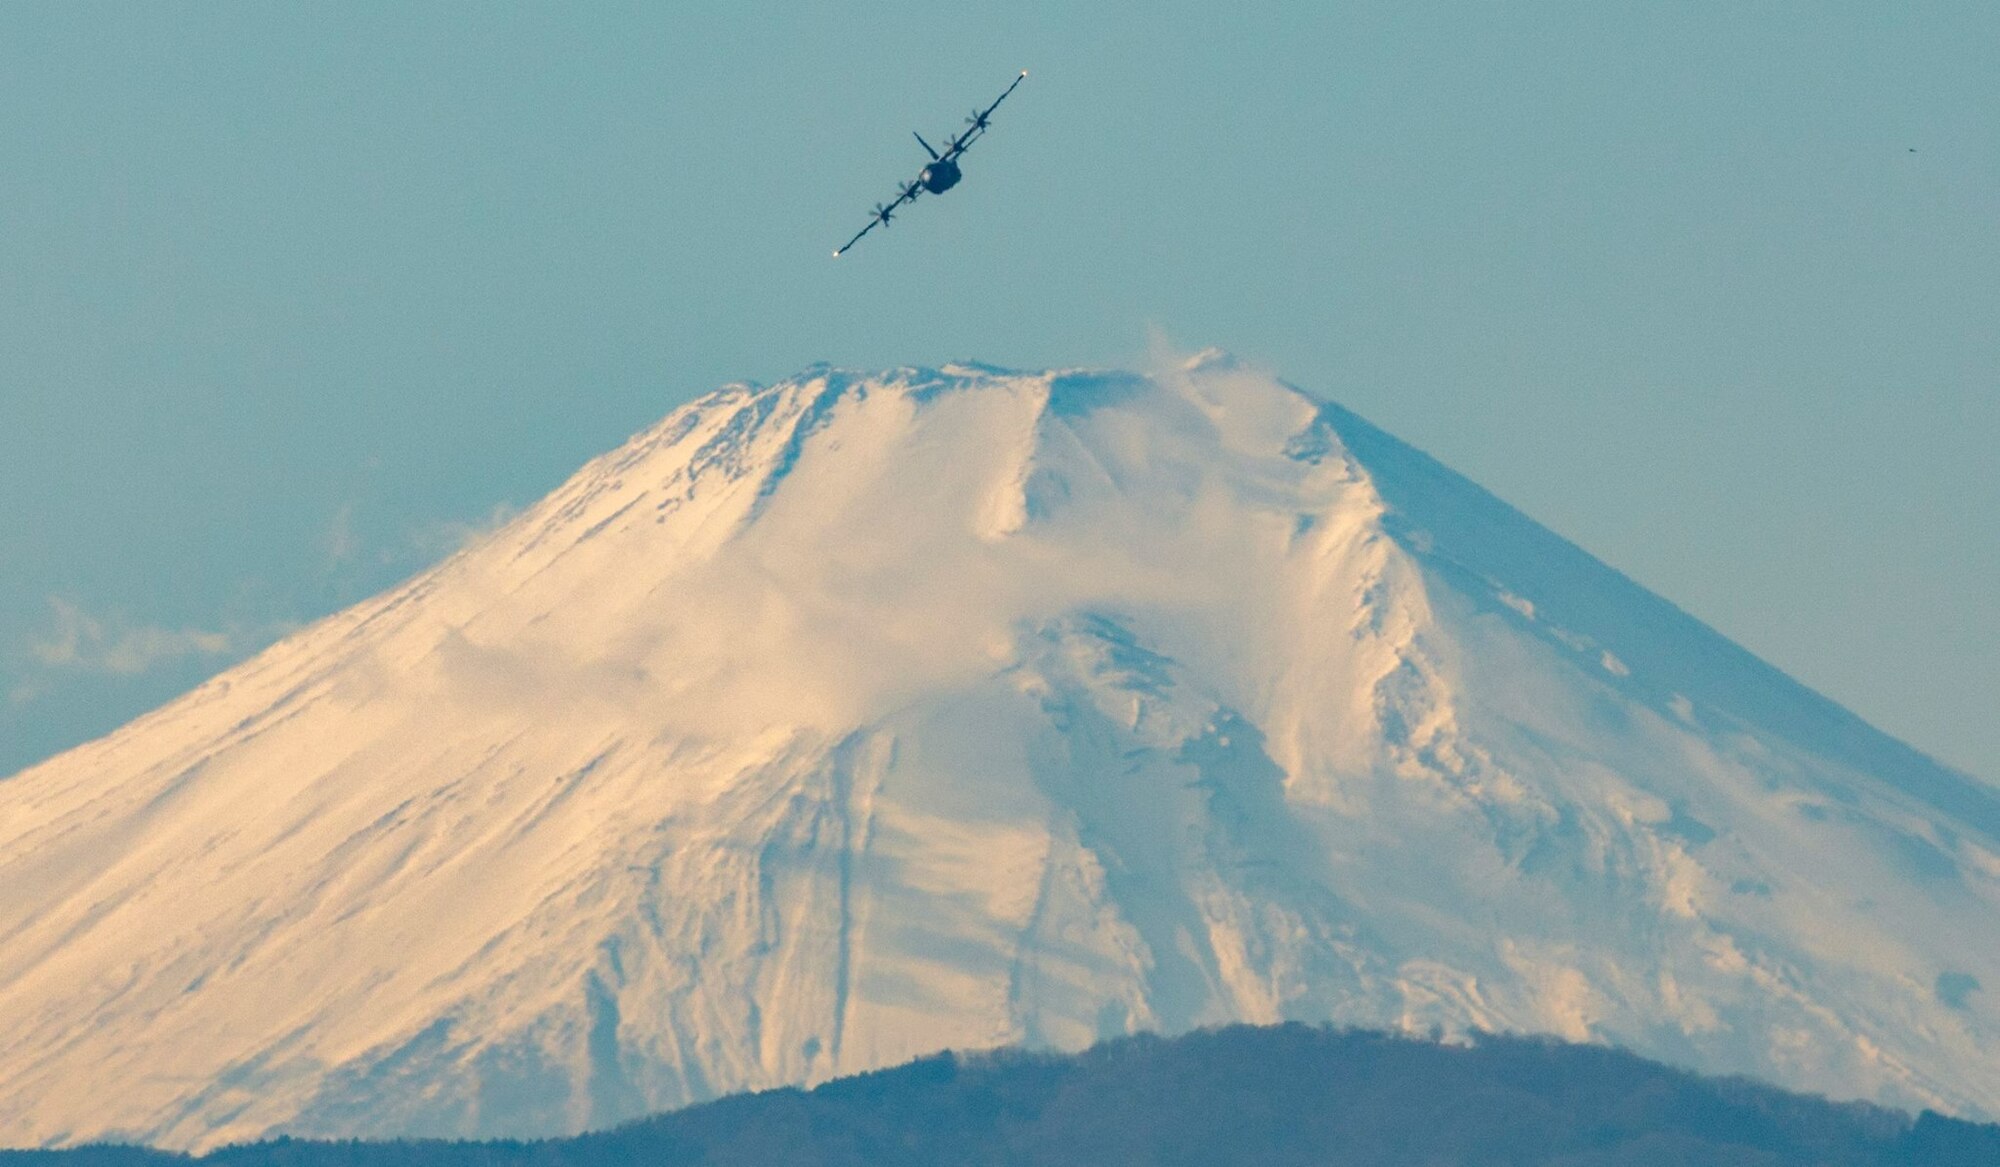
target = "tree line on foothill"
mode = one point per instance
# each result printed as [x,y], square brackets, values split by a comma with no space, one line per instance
[1276,1096]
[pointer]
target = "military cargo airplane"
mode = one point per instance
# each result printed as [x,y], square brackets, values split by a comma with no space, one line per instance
[941,175]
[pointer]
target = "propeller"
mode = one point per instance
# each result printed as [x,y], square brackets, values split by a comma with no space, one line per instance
[882,213]
[976,120]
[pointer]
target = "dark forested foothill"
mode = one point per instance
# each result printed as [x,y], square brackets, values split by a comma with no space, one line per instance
[1273,1096]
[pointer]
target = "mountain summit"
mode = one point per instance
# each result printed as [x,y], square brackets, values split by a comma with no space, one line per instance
[828,724]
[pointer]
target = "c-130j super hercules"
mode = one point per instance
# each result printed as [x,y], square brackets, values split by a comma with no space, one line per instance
[941,175]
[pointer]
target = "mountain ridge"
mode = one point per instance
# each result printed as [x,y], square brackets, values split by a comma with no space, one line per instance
[1284,1094]
[1956,790]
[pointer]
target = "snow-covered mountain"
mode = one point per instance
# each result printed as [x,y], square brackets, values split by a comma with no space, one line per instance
[827,724]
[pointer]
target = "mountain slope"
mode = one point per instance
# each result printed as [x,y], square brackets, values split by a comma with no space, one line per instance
[829,724]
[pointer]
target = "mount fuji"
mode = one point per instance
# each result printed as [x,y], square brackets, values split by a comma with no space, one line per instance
[835,722]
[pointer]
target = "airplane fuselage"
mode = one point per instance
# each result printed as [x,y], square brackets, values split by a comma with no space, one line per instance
[939,176]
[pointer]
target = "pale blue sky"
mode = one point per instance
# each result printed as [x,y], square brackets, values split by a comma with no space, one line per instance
[291,295]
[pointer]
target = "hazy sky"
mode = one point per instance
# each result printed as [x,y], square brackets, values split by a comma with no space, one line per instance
[294,296]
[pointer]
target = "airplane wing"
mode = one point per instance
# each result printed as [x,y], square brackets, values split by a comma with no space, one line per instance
[959,144]
[908,194]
